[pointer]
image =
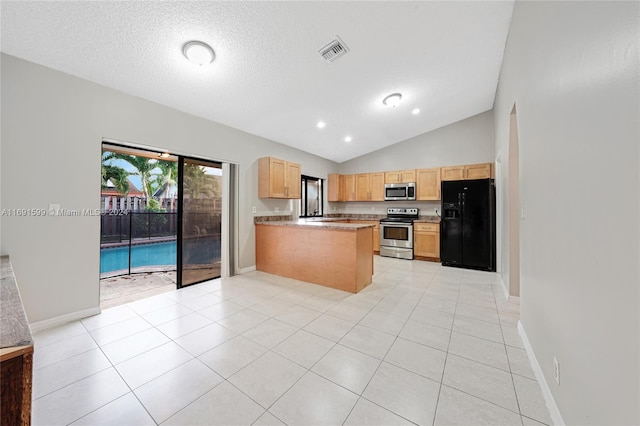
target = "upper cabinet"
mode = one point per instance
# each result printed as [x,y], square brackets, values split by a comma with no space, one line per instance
[478,171]
[400,176]
[370,187]
[333,187]
[278,178]
[466,172]
[427,184]
[348,188]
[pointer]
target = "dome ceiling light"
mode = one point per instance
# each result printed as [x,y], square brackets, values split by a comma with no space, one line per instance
[392,100]
[198,52]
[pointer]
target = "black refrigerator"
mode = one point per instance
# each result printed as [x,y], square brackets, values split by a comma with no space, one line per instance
[468,224]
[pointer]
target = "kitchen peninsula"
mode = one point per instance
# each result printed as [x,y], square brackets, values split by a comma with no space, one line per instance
[336,255]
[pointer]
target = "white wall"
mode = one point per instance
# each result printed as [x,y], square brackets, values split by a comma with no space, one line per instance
[572,70]
[468,141]
[52,128]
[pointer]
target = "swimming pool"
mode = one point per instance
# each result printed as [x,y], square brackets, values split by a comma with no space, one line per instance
[196,251]
[117,258]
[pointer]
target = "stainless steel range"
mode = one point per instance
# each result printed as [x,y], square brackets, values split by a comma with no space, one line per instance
[396,232]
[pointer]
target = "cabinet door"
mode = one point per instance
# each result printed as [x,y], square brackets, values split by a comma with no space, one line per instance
[426,244]
[362,187]
[350,188]
[452,173]
[333,187]
[478,171]
[428,184]
[407,176]
[294,184]
[271,178]
[376,186]
[392,177]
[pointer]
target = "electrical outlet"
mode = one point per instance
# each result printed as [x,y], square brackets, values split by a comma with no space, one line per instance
[277,209]
[556,370]
[253,209]
[523,213]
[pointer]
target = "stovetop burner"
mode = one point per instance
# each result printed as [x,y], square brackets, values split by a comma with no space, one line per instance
[401,214]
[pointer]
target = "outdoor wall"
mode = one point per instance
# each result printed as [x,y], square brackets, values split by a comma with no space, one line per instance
[53,125]
[467,141]
[572,70]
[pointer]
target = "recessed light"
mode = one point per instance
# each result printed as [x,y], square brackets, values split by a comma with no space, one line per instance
[321,124]
[392,100]
[198,52]
[348,139]
[415,111]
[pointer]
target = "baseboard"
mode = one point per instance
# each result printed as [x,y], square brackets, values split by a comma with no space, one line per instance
[247,269]
[505,290]
[63,319]
[556,417]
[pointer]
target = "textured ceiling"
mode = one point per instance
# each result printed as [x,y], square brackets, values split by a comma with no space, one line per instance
[268,78]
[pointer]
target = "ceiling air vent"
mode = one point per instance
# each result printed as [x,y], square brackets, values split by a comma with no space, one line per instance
[334,50]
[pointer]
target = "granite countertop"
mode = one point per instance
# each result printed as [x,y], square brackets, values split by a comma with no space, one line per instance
[428,219]
[14,327]
[334,217]
[319,222]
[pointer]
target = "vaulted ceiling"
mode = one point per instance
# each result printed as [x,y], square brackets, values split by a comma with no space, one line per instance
[268,77]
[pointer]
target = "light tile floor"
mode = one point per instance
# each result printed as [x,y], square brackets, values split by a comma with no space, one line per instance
[423,344]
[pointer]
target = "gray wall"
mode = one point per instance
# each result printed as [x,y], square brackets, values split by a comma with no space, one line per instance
[52,128]
[468,141]
[572,68]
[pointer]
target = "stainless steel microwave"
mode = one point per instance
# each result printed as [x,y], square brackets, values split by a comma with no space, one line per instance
[399,191]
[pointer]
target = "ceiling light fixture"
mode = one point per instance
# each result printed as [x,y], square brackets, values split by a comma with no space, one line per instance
[348,139]
[321,124]
[198,52]
[415,111]
[392,100]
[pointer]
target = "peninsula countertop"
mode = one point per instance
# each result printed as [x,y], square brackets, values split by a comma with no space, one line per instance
[319,222]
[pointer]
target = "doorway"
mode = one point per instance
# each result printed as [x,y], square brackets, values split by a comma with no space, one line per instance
[514,205]
[161,228]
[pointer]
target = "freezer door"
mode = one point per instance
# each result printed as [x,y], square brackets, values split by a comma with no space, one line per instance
[477,238]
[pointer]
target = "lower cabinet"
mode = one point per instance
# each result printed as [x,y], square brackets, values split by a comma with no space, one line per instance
[426,240]
[376,231]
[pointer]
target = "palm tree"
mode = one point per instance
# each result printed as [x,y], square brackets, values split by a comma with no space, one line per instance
[167,177]
[114,174]
[198,184]
[144,166]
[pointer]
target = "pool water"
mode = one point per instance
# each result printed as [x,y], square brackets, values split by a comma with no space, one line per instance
[201,251]
[117,258]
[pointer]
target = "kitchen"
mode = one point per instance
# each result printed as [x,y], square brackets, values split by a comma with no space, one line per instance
[280,244]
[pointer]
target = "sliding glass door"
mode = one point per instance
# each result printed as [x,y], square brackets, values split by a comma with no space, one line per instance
[200,221]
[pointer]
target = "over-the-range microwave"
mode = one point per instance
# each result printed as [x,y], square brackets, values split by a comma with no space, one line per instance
[399,191]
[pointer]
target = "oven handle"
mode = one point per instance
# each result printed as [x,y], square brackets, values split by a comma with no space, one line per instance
[397,225]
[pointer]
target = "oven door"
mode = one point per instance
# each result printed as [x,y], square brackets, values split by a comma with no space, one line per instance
[396,234]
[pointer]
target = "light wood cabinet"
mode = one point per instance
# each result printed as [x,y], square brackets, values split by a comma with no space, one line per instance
[452,173]
[376,230]
[426,240]
[468,171]
[427,184]
[333,187]
[478,171]
[400,176]
[370,187]
[348,188]
[278,178]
